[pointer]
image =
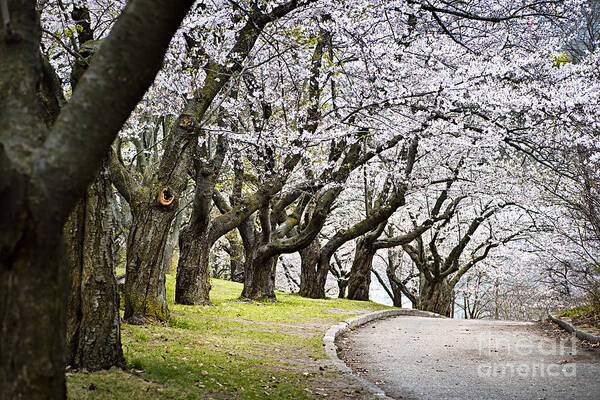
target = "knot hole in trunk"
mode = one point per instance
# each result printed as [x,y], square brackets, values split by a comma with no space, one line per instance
[165,196]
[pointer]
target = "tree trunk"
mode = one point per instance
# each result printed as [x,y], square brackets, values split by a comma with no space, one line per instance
[342,285]
[145,294]
[93,320]
[312,273]
[193,281]
[259,276]
[33,290]
[33,285]
[397,292]
[435,296]
[360,273]
[172,242]
[169,253]
[236,257]
[74,232]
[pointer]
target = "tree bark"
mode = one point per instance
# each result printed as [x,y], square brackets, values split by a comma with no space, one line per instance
[309,261]
[313,272]
[435,296]
[172,242]
[93,320]
[193,281]
[397,292]
[169,253]
[33,287]
[259,276]
[144,291]
[236,257]
[360,273]
[342,286]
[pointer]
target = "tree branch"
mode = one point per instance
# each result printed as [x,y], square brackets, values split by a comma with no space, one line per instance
[123,69]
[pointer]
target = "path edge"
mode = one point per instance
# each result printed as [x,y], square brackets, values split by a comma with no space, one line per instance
[580,333]
[336,330]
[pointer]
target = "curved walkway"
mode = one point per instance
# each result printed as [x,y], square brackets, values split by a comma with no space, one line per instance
[443,359]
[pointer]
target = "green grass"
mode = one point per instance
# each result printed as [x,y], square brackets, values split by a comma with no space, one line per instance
[233,349]
[580,310]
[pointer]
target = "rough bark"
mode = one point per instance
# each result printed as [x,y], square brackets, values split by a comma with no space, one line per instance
[235,251]
[193,281]
[435,296]
[33,287]
[172,242]
[169,253]
[313,273]
[259,276]
[93,320]
[144,291]
[360,273]
[153,202]
[74,235]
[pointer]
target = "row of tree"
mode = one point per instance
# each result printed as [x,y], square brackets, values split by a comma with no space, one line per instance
[301,126]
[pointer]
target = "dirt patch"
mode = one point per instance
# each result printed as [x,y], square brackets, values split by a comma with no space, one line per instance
[325,380]
[550,329]
[351,357]
[586,320]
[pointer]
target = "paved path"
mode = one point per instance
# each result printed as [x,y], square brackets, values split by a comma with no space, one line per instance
[445,359]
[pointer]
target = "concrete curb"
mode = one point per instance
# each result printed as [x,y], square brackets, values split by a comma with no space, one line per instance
[580,333]
[336,330]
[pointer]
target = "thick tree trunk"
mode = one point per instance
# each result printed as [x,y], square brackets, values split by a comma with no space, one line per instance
[193,281]
[33,287]
[93,320]
[313,272]
[33,290]
[360,274]
[145,294]
[435,296]
[259,277]
[48,170]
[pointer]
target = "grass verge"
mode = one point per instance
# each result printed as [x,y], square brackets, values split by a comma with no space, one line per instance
[232,350]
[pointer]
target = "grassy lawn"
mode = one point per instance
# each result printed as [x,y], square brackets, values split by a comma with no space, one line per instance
[232,350]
